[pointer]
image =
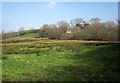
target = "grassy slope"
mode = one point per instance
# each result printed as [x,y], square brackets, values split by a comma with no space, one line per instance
[70,62]
[29,35]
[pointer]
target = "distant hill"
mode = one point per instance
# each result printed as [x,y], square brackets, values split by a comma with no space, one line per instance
[29,35]
[22,34]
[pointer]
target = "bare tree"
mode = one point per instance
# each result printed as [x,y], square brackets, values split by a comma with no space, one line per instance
[95,20]
[63,25]
[76,21]
[110,24]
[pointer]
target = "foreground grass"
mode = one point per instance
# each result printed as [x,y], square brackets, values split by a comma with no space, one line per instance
[68,61]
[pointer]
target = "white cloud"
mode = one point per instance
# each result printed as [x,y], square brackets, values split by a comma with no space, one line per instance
[50,4]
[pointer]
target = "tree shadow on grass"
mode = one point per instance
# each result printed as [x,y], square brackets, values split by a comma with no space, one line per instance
[99,64]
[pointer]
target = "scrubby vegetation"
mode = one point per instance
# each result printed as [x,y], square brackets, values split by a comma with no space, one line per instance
[77,28]
[63,60]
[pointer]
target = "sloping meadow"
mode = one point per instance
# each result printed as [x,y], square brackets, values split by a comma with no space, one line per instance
[53,60]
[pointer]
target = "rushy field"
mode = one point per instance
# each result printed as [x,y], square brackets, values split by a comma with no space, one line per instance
[63,60]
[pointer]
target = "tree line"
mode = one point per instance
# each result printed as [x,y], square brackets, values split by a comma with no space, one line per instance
[80,29]
[76,29]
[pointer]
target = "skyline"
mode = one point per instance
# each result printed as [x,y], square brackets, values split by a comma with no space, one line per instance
[35,14]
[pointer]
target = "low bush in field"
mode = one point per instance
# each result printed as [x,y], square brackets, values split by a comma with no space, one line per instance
[35,47]
[23,40]
[10,49]
[24,48]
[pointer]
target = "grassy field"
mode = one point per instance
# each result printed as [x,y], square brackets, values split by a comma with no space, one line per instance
[53,60]
[29,35]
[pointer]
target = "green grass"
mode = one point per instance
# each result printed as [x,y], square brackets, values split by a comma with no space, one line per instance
[61,62]
[0,70]
[29,35]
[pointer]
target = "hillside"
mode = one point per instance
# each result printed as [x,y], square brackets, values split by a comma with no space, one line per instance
[28,35]
[22,34]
